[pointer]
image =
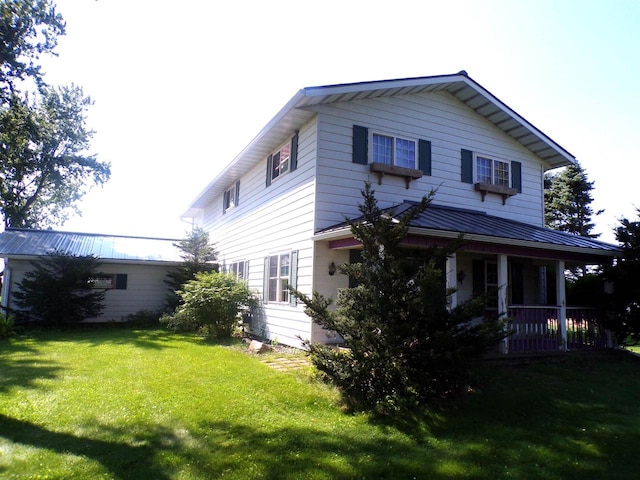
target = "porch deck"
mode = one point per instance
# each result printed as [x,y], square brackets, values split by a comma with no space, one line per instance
[537,329]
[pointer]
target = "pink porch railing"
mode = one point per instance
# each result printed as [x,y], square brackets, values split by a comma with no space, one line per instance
[536,329]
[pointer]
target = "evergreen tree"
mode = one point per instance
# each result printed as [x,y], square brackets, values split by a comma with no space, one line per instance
[567,201]
[198,255]
[59,289]
[623,307]
[405,347]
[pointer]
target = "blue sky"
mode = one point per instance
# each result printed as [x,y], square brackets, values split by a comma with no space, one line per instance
[180,88]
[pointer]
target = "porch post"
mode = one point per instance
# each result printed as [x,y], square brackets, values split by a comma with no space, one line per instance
[562,303]
[503,284]
[452,279]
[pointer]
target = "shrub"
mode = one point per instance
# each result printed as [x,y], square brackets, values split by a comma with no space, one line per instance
[212,304]
[6,326]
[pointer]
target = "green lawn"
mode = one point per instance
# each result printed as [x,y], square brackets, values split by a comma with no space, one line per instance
[149,404]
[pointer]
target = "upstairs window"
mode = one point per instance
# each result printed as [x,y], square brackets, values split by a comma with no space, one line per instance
[280,162]
[231,197]
[492,172]
[390,150]
[283,160]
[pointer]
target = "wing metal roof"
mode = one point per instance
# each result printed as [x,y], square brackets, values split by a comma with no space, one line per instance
[442,221]
[18,242]
[297,112]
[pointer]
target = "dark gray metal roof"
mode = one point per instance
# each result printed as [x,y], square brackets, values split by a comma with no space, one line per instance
[300,109]
[18,242]
[443,221]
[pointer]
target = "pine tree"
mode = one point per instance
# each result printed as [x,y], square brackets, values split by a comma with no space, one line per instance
[405,347]
[198,255]
[567,202]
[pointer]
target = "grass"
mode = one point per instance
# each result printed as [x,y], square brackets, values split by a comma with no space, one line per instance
[150,404]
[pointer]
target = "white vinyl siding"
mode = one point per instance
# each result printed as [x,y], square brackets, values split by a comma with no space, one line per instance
[272,219]
[450,126]
[146,288]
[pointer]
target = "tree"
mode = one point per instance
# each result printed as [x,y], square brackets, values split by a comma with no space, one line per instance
[211,303]
[28,29]
[45,169]
[198,255]
[623,301]
[567,201]
[405,347]
[59,289]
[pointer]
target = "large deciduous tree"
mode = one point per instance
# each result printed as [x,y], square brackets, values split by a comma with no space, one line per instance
[28,29]
[405,346]
[45,167]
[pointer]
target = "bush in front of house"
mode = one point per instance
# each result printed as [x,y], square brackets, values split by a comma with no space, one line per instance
[211,303]
[60,289]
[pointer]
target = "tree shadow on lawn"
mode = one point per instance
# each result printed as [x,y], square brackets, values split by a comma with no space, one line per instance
[120,459]
[147,338]
[25,371]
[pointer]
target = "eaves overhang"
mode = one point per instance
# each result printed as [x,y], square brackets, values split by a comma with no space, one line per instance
[299,110]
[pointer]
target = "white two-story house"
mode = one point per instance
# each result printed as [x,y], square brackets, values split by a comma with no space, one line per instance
[276,212]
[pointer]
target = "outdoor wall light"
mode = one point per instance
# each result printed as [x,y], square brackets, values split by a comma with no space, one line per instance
[332,269]
[461,276]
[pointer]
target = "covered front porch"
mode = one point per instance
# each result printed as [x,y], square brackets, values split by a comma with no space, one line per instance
[530,293]
[521,267]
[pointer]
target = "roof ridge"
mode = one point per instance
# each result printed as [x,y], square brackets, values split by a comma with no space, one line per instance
[88,234]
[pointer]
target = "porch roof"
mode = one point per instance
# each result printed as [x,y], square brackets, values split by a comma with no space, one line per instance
[445,222]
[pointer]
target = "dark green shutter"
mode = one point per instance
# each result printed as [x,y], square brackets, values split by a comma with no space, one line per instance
[293,277]
[360,145]
[516,176]
[225,201]
[293,157]
[466,159]
[269,168]
[265,284]
[121,281]
[424,156]
[237,193]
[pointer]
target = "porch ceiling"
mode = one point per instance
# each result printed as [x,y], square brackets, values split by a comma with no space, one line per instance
[442,222]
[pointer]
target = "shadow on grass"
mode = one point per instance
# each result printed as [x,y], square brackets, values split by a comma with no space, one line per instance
[21,366]
[146,338]
[120,459]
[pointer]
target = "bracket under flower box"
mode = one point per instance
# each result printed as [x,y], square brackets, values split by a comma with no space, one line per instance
[382,169]
[485,188]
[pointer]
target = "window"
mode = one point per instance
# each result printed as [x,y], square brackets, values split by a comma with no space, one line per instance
[280,161]
[279,278]
[390,150]
[110,281]
[238,269]
[492,172]
[280,272]
[283,160]
[231,197]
